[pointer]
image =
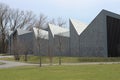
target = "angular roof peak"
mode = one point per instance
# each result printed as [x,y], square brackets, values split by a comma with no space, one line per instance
[42,33]
[64,34]
[109,13]
[57,29]
[21,31]
[79,26]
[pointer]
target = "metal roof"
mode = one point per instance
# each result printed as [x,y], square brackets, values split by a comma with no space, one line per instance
[57,29]
[42,33]
[21,31]
[64,34]
[79,26]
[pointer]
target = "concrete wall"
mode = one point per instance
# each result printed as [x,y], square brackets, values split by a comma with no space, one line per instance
[61,46]
[74,41]
[43,46]
[93,41]
[25,42]
[50,44]
[10,44]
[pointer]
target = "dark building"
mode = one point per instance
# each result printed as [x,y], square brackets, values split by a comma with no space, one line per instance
[113,36]
[101,38]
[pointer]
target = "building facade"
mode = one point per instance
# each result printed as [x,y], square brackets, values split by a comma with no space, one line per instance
[100,38]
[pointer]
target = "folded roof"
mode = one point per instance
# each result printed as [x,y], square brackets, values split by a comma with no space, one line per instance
[42,33]
[57,29]
[79,26]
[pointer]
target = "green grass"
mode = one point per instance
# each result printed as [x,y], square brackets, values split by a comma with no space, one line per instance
[1,54]
[81,72]
[1,63]
[35,59]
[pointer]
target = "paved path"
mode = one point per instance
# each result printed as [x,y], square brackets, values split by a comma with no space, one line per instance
[9,64]
[6,56]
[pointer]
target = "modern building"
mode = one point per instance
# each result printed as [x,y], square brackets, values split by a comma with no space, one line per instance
[76,29]
[21,42]
[62,44]
[53,30]
[100,38]
[40,42]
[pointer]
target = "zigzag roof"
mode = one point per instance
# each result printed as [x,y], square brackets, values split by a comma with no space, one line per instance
[21,31]
[42,33]
[57,29]
[79,26]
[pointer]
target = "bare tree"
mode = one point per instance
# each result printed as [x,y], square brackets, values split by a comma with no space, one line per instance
[38,41]
[4,21]
[26,49]
[41,23]
[59,21]
[0,43]
[40,36]
[60,50]
[21,19]
[17,46]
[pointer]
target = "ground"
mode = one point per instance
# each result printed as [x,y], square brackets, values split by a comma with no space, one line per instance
[67,71]
[74,72]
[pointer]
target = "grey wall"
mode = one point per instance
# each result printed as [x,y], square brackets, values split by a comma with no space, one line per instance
[10,44]
[26,42]
[43,46]
[93,41]
[63,44]
[74,41]
[50,43]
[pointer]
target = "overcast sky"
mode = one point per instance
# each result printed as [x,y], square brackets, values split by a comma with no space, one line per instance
[83,10]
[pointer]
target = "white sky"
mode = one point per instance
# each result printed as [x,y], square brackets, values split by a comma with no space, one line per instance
[83,10]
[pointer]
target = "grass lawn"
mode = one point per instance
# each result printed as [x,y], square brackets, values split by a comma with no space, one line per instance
[35,59]
[81,72]
[1,63]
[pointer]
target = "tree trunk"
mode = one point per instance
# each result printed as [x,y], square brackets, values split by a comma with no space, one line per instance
[25,57]
[3,43]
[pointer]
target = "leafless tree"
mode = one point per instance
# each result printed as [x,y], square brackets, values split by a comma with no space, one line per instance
[17,46]
[41,23]
[38,41]
[0,43]
[40,36]
[26,49]
[59,21]
[60,49]
[62,23]
[4,21]
[21,19]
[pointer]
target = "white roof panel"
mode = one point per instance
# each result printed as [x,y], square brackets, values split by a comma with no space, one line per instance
[57,29]
[64,34]
[21,31]
[42,33]
[79,26]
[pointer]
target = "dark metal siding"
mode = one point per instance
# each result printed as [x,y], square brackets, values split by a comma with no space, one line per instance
[113,36]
